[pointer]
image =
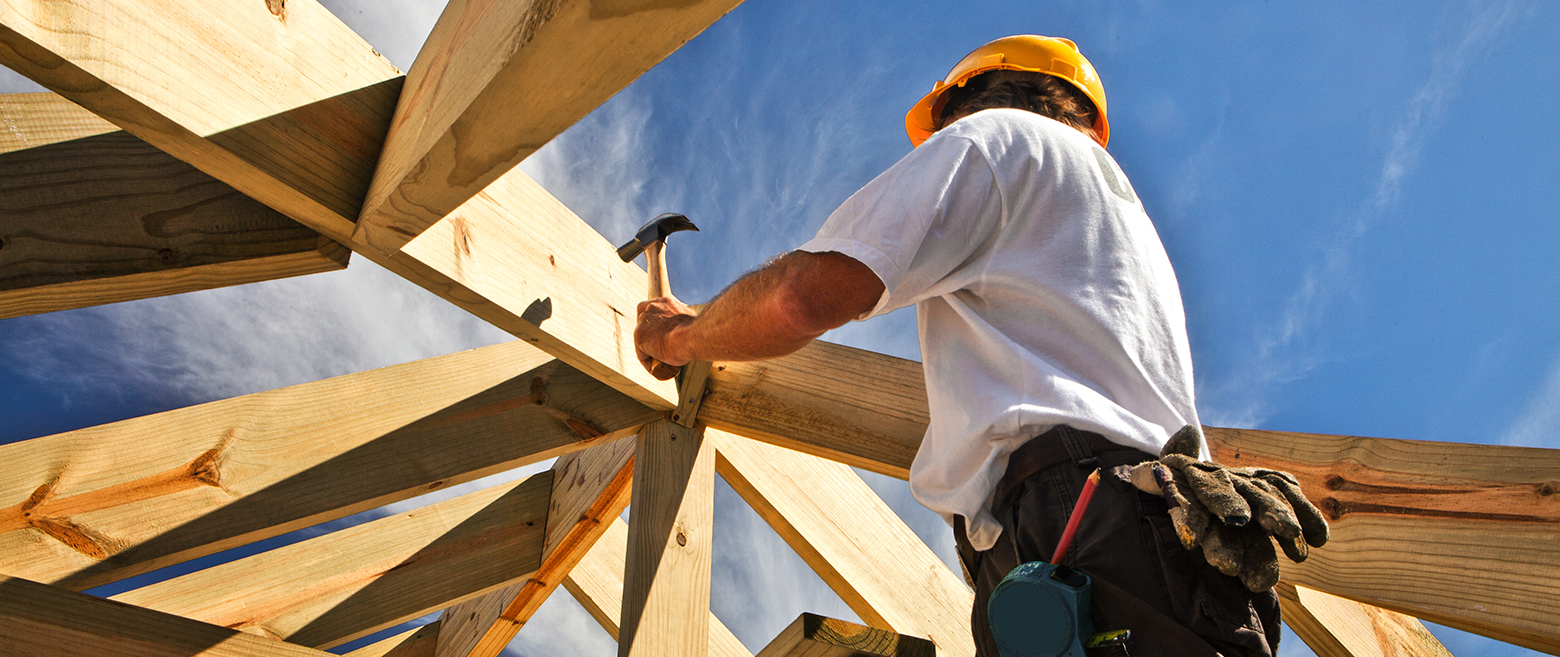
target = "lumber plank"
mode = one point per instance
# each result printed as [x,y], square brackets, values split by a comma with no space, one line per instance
[666,579]
[281,100]
[1461,535]
[94,215]
[1340,627]
[88,507]
[37,620]
[590,487]
[597,583]
[486,63]
[517,257]
[334,588]
[850,405]
[811,635]
[860,548]
[416,642]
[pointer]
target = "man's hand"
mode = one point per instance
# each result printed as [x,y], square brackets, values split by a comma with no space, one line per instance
[653,340]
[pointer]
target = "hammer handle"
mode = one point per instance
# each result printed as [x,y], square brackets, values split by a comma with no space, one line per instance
[655,264]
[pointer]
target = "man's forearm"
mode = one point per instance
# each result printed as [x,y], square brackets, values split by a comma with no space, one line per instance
[779,308]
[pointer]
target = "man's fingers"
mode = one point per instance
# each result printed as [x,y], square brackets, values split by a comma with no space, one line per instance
[662,371]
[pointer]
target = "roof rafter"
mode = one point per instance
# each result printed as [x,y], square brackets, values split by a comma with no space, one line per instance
[1340,627]
[94,215]
[280,100]
[590,488]
[334,588]
[129,497]
[852,540]
[486,63]
[597,583]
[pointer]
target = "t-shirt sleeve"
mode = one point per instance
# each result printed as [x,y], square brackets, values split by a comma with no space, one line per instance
[920,224]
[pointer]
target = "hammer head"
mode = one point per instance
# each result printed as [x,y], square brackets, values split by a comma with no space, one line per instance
[654,230]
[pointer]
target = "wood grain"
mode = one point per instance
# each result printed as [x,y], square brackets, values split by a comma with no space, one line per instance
[1461,535]
[666,579]
[857,407]
[416,642]
[811,635]
[518,258]
[597,583]
[486,63]
[94,215]
[288,106]
[87,507]
[1340,627]
[852,540]
[590,488]
[334,588]
[37,620]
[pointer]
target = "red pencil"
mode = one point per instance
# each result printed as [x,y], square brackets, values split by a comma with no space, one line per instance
[1076,517]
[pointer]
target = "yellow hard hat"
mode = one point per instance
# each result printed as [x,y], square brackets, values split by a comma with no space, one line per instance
[1023,52]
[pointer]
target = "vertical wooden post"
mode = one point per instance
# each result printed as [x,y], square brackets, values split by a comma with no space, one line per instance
[666,581]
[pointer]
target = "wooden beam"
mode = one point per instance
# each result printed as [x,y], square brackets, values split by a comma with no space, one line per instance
[1340,627]
[278,99]
[37,620]
[597,583]
[488,63]
[852,540]
[299,127]
[590,488]
[1461,535]
[334,588]
[88,507]
[811,635]
[94,215]
[857,407]
[416,642]
[666,580]
[1457,534]
[518,258]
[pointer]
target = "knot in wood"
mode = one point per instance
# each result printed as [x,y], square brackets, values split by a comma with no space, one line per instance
[278,7]
[166,256]
[1332,507]
[682,539]
[1548,488]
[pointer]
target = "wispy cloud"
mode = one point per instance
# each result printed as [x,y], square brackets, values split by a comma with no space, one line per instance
[1538,425]
[1285,351]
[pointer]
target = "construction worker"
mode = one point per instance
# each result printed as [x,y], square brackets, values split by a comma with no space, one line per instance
[1054,343]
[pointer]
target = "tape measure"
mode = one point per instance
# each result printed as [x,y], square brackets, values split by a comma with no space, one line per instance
[1040,610]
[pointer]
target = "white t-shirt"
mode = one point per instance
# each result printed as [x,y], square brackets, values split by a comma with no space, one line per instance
[1043,296]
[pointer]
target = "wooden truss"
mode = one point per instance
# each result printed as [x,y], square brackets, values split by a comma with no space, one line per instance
[228,141]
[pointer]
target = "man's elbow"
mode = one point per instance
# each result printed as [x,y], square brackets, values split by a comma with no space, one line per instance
[823,291]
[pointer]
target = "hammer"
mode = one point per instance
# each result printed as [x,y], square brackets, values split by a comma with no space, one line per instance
[651,240]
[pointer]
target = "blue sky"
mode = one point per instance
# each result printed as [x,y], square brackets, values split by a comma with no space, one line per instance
[1359,200]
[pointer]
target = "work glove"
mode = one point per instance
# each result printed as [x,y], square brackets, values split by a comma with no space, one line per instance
[1212,506]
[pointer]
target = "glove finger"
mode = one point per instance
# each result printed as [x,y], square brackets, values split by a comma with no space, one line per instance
[1268,507]
[1259,568]
[1294,548]
[1216,492]
[1143,478]
[1223,549]
[1186,442]
[1192,520]
[1312,523]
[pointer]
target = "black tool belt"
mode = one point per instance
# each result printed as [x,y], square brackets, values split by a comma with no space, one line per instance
[1062,444]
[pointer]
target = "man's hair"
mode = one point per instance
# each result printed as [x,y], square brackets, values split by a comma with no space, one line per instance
[1042,94]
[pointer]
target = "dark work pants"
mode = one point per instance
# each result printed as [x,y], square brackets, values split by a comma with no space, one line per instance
[1143,580]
